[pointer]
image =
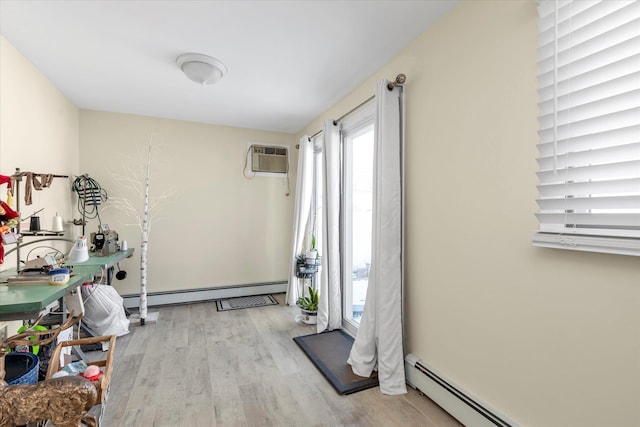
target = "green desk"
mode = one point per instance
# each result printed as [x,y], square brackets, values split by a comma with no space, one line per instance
[106,263]
[103,261]
[25,301]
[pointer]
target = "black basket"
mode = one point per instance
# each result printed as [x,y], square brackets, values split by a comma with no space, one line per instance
[306,271]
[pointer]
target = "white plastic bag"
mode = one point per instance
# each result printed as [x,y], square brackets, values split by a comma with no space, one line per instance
[103,311]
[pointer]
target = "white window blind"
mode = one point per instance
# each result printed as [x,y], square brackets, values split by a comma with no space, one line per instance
[589,103]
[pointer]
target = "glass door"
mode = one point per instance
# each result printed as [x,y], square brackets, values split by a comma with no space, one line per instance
[357,219]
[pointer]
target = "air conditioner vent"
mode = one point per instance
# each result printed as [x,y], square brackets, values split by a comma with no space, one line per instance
[269,159]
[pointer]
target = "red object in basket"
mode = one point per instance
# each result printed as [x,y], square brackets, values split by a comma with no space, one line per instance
[92,373]
[95,377]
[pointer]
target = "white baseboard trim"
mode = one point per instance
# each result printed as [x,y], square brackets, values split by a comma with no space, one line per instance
[188,296]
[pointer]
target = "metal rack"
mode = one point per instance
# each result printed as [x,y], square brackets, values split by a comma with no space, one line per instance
[308,270]
[51,235]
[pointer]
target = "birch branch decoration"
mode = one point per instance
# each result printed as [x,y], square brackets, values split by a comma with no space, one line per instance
[141,209]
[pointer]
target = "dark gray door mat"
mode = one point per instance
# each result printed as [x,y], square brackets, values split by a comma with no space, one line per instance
[329,351]
[245,302]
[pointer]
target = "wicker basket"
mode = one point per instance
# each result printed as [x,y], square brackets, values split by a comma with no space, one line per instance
[105,365]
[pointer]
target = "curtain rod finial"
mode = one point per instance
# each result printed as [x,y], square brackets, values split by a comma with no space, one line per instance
[399,81]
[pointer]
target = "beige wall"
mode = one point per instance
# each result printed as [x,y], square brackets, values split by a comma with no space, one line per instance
[216,227]
[547,337]
[38,125]
[38,133]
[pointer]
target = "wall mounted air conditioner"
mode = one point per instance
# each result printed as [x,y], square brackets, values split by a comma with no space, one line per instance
[269,159]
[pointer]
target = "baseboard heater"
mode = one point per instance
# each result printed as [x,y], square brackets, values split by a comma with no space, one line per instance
[467,409]
[188,296]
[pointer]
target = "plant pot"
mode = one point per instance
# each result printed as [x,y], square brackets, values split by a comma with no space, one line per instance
[310,256]
[309,317]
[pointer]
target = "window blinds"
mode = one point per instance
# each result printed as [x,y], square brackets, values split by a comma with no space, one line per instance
[589,103]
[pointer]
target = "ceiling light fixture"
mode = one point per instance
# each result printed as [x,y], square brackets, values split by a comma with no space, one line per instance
[202,69]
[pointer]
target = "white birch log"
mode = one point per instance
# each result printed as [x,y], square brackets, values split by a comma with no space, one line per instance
[144,242]
[138,181]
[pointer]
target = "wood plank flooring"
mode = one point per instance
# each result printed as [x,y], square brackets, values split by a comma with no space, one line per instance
[200,367]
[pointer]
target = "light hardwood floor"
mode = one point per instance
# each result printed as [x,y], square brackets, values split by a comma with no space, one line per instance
[200,367]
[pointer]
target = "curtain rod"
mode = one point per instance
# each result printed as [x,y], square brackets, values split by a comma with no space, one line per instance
[399,81]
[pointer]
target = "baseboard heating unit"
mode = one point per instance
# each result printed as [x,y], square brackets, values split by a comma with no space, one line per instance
[467,409]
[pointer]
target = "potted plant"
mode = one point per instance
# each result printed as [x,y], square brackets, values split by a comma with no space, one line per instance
[312,254]
[309,306]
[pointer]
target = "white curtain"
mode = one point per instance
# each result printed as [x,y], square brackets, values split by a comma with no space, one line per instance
[379,342]
[330,304]
[302,218]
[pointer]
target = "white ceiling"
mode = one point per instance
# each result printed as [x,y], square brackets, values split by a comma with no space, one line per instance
[288,61]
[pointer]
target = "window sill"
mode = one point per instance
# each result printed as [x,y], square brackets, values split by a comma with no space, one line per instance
[608,245]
